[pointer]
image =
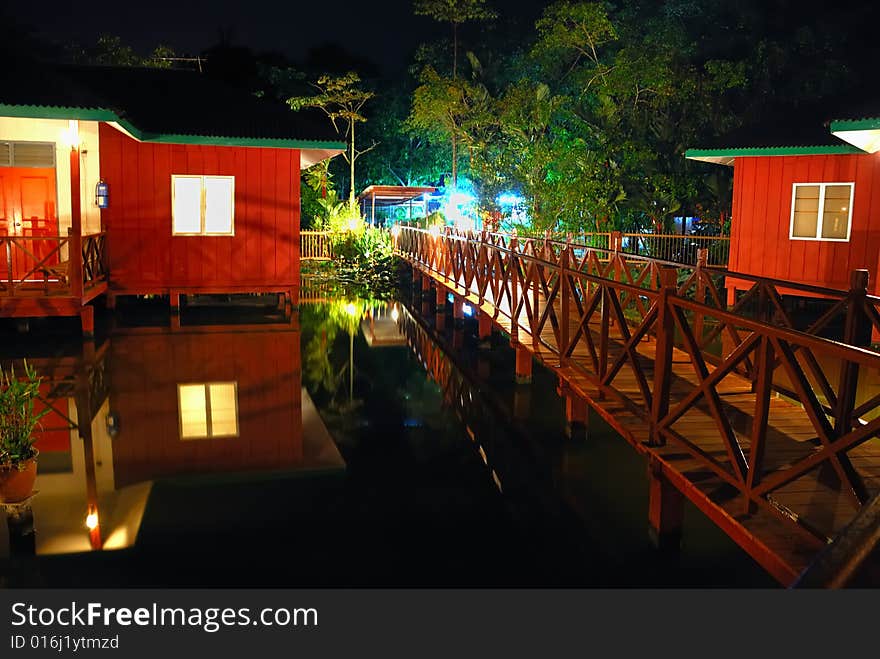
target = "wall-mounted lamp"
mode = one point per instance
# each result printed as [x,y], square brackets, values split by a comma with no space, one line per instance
[112,424]
[102,194]
[72,134]
[92,520]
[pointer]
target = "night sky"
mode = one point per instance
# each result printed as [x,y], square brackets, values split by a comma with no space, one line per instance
[384,31]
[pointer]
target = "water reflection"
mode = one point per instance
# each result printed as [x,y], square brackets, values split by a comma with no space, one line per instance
[453,474]
[150,404]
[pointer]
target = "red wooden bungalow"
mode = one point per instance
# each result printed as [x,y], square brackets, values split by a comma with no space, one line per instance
[808,214]
[201,182]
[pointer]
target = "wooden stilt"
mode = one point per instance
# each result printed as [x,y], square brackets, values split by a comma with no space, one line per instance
[87,318]
[440,299]
[458,310]
[522,402]
[576,417]
[175,302]
[665,510]
[485,326]
[523,365]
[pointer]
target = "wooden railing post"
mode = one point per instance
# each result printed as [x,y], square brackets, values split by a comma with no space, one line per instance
[513,269]
[75,276]
[482,267]
[663,355]
[856,332]
[702,263]
[564,301]
[8,243]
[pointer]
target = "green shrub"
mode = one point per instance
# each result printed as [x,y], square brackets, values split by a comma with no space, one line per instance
[18,420]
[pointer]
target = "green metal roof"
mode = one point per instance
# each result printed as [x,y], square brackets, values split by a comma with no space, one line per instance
[819,149]
[161,105]
[868,123]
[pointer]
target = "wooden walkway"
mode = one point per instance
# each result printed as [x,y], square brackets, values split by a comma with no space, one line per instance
[733,408]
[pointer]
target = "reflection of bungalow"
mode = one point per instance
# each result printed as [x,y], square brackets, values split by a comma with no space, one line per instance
[199,402]
[808,214]
[131,181]
[78,505]
[191,402]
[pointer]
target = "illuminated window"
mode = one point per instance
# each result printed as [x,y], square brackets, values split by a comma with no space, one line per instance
[821,211]
[208,410]
[203,205]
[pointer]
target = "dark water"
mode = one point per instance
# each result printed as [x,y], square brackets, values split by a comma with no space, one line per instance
[440,471]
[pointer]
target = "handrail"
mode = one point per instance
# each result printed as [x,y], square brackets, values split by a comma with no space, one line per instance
[563,298]
[42,264]
[838,563]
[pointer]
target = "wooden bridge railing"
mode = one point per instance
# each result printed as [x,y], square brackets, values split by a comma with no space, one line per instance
[616,318]
[43,264]
[316,245]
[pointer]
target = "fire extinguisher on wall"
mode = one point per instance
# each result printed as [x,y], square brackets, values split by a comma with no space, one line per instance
[102,194]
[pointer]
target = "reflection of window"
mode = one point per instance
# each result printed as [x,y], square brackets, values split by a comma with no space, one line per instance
[202,205]
[821,211]
[208,410]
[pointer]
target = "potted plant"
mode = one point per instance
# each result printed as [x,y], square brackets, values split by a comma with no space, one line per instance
[18,420]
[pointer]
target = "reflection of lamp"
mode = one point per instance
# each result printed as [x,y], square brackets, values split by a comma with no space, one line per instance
[112,424]
[92,521]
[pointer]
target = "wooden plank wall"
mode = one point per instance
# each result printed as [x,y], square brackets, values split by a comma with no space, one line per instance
[145,371]
[762,213]
[145,257]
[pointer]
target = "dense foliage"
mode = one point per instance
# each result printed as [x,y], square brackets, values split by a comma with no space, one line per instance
[584,109]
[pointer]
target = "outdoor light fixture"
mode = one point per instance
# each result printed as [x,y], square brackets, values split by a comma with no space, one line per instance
[467,310]
[395,314]
[72,134]
[351,310]
[92,521]
[112,424]
[102,194]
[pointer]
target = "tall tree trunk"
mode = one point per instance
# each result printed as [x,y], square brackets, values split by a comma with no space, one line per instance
[351,165]
[454,50]
[454,77]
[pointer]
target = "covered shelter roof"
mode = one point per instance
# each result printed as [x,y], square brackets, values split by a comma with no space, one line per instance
[390,195]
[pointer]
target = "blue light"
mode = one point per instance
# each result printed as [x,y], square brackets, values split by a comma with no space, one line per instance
[468,310]
[509,199]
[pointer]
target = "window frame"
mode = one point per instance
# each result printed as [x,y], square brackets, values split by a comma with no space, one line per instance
[208,414]
[202,232]
[820,220]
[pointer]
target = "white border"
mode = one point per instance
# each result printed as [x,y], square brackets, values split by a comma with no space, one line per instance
[821,213]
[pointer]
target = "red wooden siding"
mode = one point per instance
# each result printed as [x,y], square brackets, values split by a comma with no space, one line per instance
[145,371]
[762,192]
[146,258]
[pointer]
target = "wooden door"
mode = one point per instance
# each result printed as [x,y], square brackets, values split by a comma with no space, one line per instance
[27,214]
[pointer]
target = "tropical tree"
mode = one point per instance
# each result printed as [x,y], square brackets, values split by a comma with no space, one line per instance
[342,100]
[454,12]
